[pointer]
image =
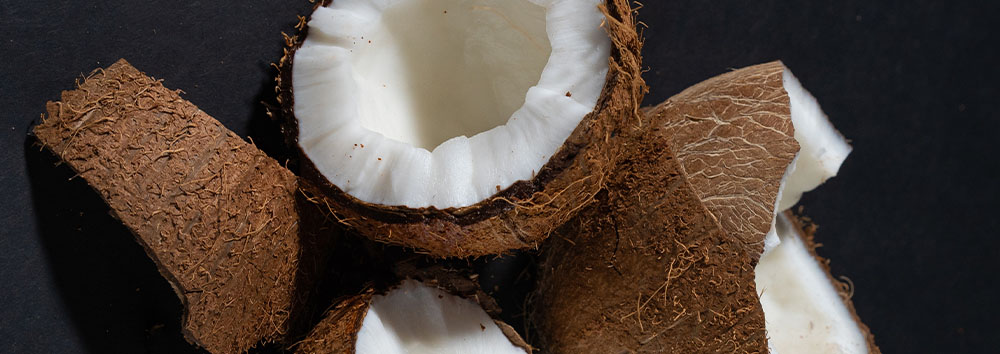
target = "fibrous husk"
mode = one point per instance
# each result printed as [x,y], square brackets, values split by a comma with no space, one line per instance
[218,216]
[524,214]
[666,262]
[338,331]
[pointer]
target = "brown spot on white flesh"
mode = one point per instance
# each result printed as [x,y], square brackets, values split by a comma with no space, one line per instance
[481,327]
[568,94]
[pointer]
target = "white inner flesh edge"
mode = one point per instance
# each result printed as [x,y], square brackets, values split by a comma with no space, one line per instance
[388,91]
[418,319]
[803,312]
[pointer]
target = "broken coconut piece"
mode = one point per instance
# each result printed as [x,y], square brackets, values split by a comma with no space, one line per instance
[734,137]
[413,317]
[217,215]
[460,127]
[806,309]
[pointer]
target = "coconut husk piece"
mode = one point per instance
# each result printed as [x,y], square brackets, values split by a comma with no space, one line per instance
[337,332]
[666,261]
[522,215]
[219,217]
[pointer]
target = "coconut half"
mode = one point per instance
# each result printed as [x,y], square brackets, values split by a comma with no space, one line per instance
[413,317]
[736,138]
[460,127]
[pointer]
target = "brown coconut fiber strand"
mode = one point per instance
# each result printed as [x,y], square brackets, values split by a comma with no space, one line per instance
[216,214]
[806,231]
[524,214]
[665,262]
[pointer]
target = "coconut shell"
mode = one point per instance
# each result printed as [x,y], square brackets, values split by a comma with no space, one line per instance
[218,217]
[517,217]
[734,138]
[666,262]
[806,230]
[337,332]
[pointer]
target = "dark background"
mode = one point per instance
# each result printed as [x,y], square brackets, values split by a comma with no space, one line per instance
[911,218]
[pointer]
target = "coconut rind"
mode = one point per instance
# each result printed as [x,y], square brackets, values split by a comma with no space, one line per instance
[735,139]
[648,268]
[806,231]
[693,225]
[218,216]
[522,215]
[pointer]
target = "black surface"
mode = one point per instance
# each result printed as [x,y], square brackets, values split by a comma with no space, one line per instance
[911,219]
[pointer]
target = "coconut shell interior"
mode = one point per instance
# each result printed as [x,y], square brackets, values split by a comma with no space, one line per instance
[522,215]
[218,216]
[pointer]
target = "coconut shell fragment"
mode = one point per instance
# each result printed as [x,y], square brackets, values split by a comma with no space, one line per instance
[666,263]
[524,214]
[339,330]
[218,216]
[734,138]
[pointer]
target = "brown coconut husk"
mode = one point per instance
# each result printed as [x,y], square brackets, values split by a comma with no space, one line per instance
[524,214]
[805,230]
[666,264]
[337,332]
[220,218]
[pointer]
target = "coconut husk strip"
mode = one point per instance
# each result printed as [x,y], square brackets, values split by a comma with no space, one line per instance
[805,229]
[217,215]
[522,215]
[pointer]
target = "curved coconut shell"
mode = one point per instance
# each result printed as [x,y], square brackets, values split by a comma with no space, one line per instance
[666,263]
[337,332]
[734,138]
[221,219]
[522,215]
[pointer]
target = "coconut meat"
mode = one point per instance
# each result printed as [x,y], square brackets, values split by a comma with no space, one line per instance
[416,319]
[444,103]
[803,312]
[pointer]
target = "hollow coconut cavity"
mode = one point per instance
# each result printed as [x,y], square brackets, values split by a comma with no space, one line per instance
[437,115]
[438,103]
[412,318]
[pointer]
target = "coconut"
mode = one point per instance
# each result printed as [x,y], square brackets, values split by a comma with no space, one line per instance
[736,138]
[438,311]
[220,218]
[460,128]
[747,167]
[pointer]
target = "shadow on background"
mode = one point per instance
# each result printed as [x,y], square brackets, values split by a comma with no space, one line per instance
[114,294]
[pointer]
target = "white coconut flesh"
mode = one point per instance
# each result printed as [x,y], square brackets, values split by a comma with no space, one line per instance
[418,319]
[444,103]
[803,312]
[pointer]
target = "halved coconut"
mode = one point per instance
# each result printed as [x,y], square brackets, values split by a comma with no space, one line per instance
[413,317]
[736,138]
[460,127]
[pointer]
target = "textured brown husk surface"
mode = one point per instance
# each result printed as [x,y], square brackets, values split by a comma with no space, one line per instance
[218,216]
[337,332]
[734,138]
[524,214]
[806,230]
[665,262]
